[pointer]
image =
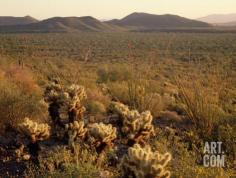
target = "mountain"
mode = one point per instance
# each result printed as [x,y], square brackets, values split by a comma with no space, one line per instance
[218,18]
[228,24]
[63,24]
[7,20]
[135,21]
[144,21]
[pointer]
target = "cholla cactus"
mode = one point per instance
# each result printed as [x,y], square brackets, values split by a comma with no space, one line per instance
[138,127]
[123,111]
[54,96]
[53,91]
[75,130]
[76,91]
[76,94]
[101,134]
[143,163]
[20,155]
[34,130]
[65,102]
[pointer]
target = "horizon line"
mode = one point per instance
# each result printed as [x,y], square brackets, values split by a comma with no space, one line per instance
[104,19]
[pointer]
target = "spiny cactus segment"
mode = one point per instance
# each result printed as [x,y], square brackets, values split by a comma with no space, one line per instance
[75,130]
[101,134]
[65,102]
[143,163]
[75,108]
[138,127]
[34,130]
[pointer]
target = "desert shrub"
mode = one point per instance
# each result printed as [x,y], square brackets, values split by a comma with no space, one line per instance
[60,162]
[226,134]
[170,116]
[141,96]
[74,170]
[103,75]
[189,171]
[201,106]
[2,73]
[95,94]
[95,107]
[118,90]
[228,100]
[185,162]
[113,74]
[137,95]
[18,100]
[22,78]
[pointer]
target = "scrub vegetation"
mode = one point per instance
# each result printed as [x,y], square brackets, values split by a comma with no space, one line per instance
[116,104]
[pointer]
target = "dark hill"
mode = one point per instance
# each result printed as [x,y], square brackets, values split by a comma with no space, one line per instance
[72,23]
[135,21]
[63,24]
[7,20]
[150,22]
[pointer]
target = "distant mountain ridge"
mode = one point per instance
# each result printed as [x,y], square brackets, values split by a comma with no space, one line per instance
[228,24]
[86,23]
[8,20]
[134,21]
[151,21]
[218,18]
[63,24]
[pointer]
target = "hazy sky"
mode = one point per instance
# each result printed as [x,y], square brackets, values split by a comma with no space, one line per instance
[107,9]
